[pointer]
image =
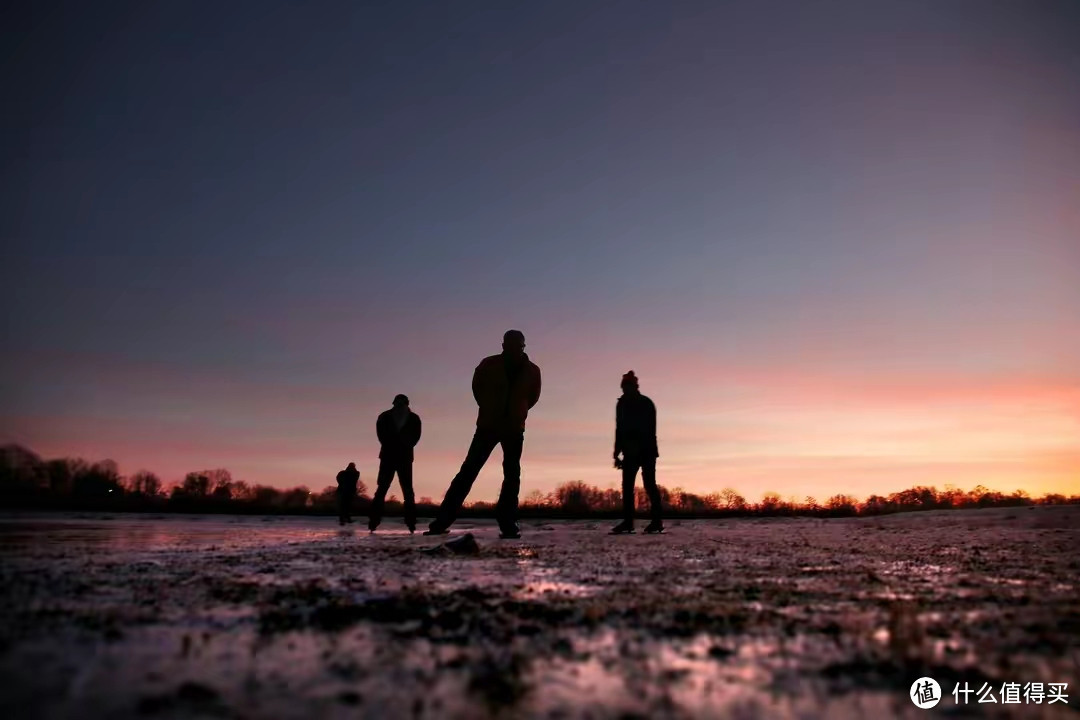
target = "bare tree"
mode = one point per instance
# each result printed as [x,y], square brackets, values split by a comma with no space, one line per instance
[144,482]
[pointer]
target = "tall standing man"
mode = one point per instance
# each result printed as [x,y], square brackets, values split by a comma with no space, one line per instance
[635,438]
[505,387]
[399,430]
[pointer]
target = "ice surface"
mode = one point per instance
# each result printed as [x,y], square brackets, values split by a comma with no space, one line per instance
[220,616]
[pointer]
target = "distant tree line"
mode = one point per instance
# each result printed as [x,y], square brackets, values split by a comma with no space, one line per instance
[29,482]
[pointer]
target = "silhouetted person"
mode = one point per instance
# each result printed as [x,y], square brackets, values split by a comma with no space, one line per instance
[505,387]
[346,491]
[399,430]
[635,438]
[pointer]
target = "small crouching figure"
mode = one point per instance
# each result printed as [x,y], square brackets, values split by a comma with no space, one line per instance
[347,481]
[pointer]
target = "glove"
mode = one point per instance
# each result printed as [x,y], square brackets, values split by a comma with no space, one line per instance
[618,462]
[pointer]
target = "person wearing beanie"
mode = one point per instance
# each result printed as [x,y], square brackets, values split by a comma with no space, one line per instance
[635,440]
[505,388]
[398,430]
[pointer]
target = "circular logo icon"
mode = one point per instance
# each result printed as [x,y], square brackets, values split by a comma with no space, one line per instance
[925,693]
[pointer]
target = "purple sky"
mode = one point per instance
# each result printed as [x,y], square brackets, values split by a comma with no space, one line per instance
[838,242]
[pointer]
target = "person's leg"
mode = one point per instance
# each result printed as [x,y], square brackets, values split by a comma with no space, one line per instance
[343,506]
[479,451]
[629,473]
[507,507]
[382,485]
[404,473]
[648,479]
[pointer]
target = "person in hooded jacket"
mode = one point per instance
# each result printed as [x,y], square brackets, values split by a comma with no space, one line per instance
[635,439]
[398,430]
[505,387]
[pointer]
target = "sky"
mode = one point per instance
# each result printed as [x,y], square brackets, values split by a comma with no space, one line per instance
[838,242]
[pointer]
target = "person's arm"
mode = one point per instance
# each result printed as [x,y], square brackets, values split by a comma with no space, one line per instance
[618,433]
[419,429]
[535,396]
[477,380]
[652,427]
[382,431]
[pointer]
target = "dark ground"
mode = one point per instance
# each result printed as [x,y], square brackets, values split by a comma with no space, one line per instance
[198,616]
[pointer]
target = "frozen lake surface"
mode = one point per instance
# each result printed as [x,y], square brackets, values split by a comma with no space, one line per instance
[114,616]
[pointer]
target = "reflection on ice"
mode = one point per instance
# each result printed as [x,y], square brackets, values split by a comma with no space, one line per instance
[134,533]
[538,580]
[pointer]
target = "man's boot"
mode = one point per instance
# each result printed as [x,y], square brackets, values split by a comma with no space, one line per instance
[626,527]
[654,528]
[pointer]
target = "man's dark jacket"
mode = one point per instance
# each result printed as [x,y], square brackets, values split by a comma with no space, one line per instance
[503,405]
[635,427]
[347,480]
[397,444]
